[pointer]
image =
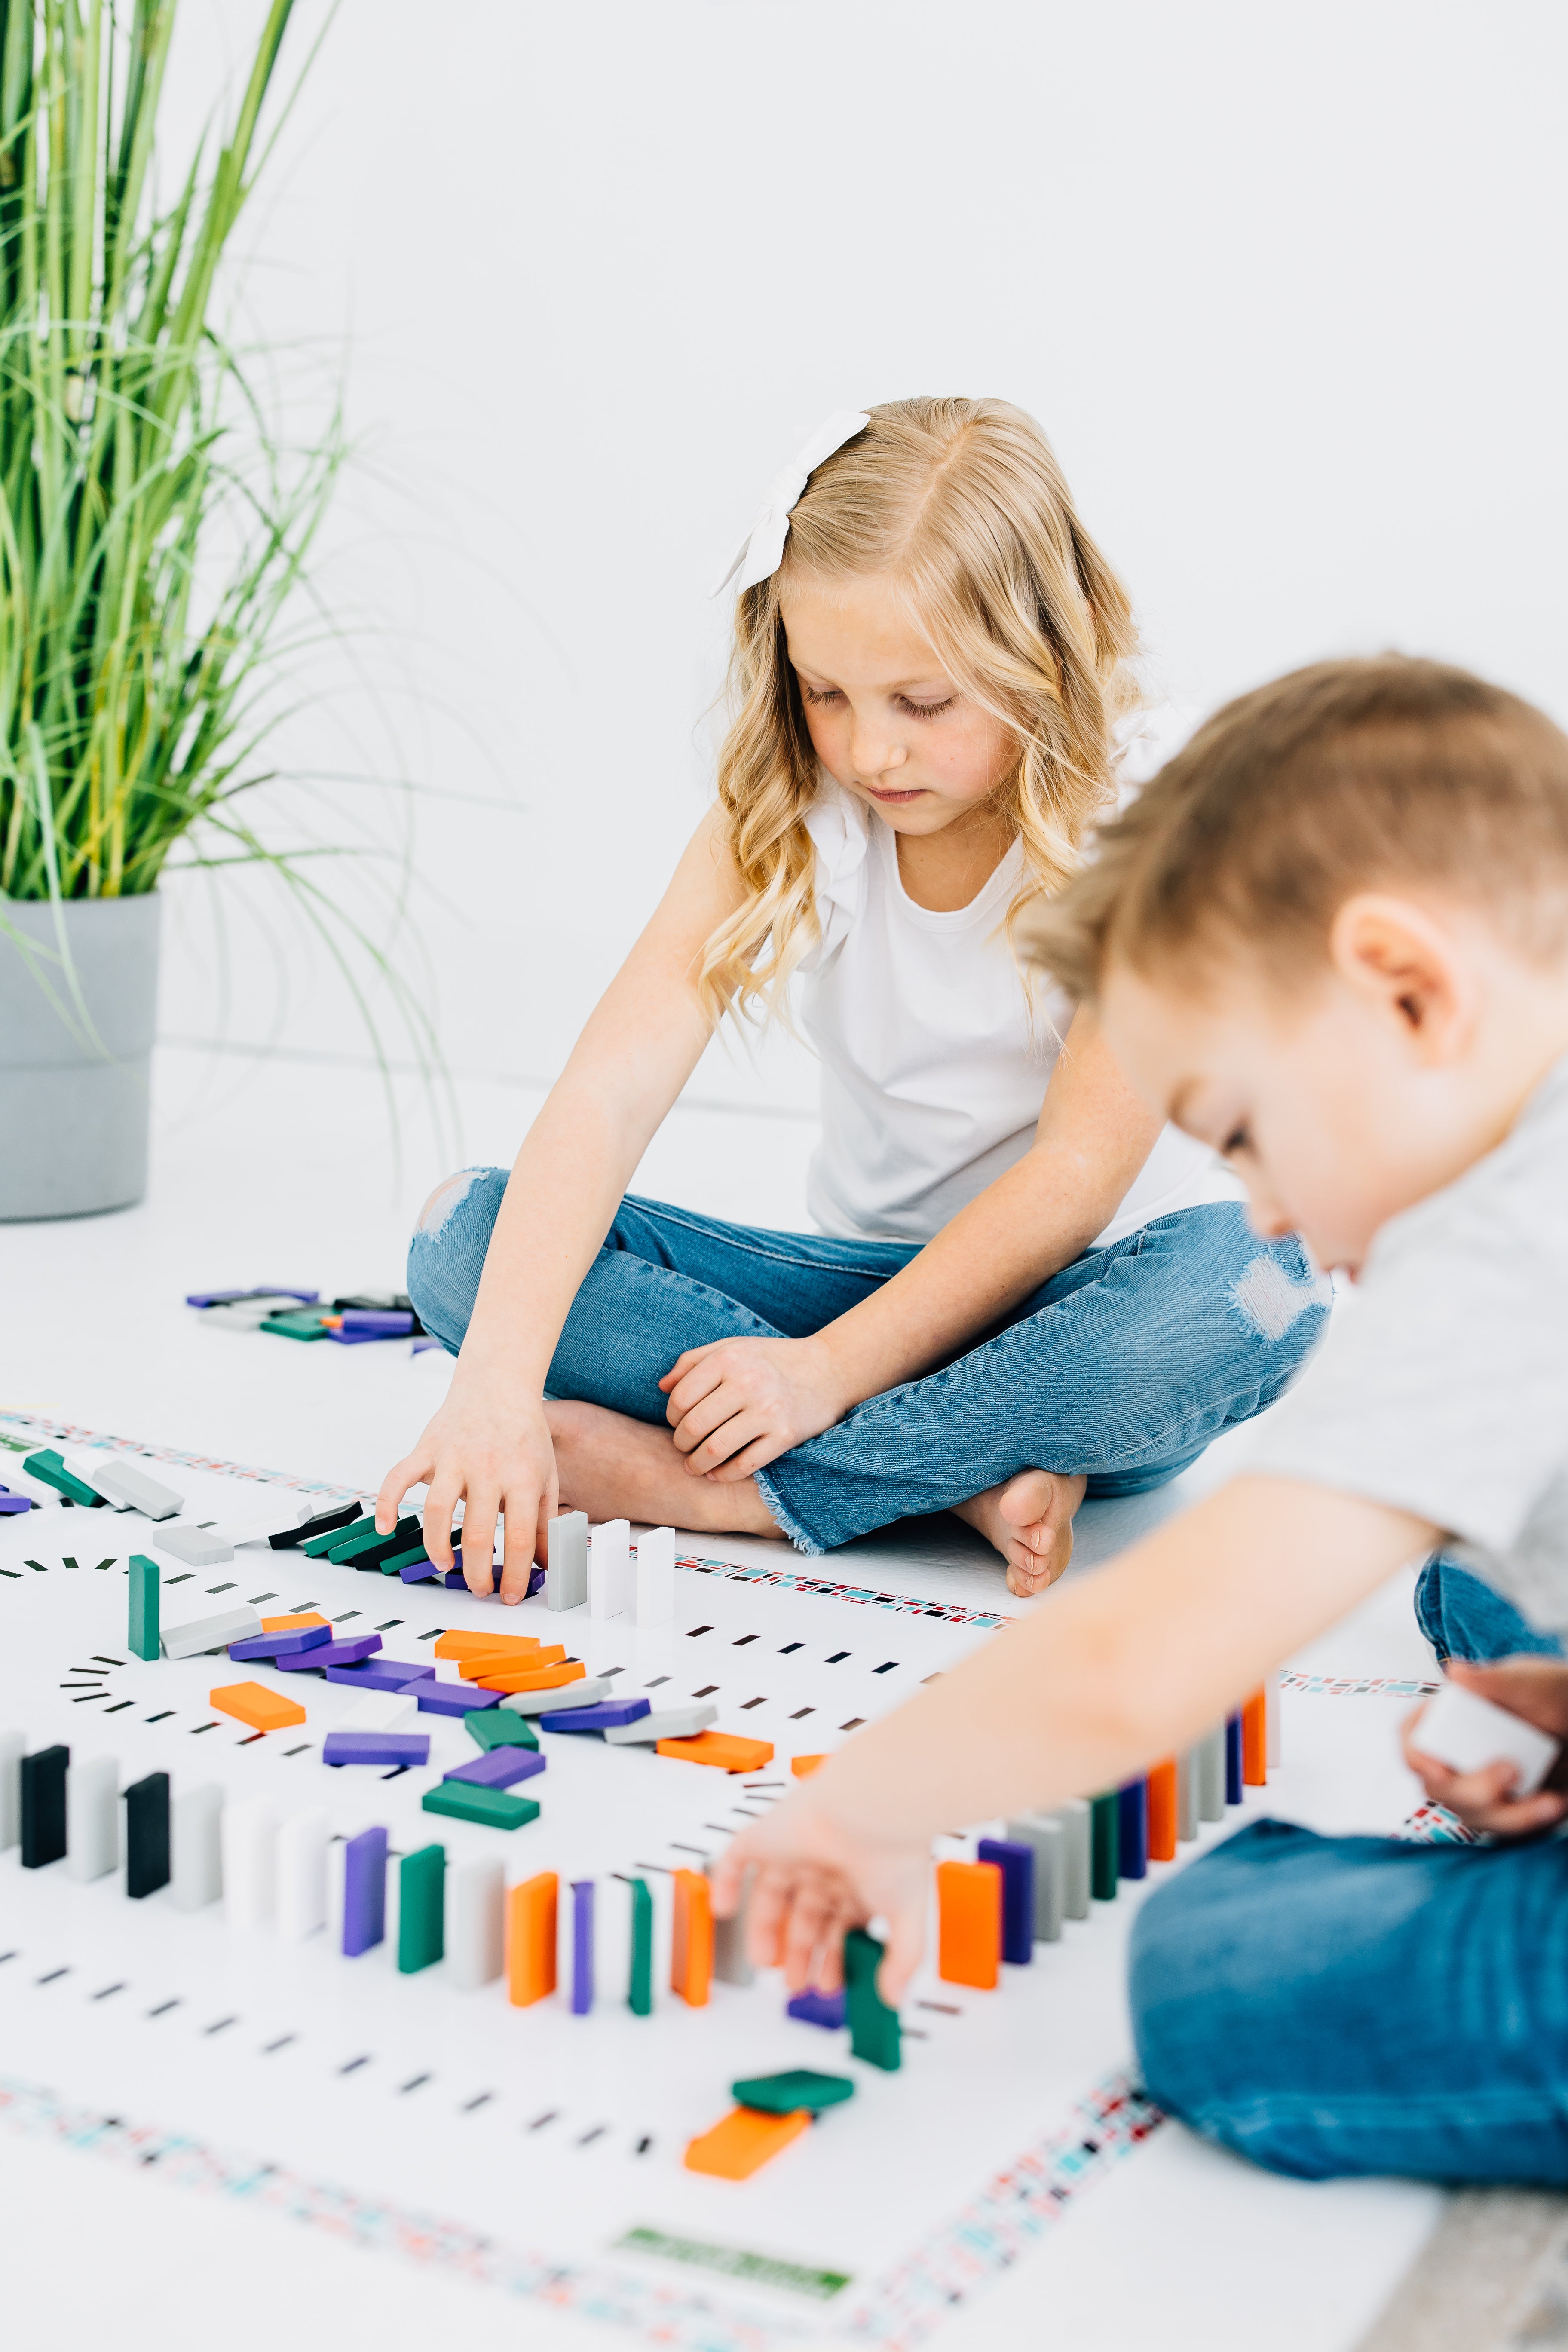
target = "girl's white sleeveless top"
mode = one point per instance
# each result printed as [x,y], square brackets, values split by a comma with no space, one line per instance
[932,1073]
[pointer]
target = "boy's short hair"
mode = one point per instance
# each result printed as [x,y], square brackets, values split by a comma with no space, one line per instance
[1350,775]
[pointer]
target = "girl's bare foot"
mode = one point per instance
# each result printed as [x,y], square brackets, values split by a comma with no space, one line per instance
[614,1467]
[1029,1520]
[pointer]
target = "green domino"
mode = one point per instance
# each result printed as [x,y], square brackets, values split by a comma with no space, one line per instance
[142,1635]
[403,1558]
[493,1809]
[421,1938]
[303,1325]
[1105,1834]
[875,2033]
[318,1545]
[46,1465]
[639,1992]
[499,1727]
[360,1540]
[786,2093]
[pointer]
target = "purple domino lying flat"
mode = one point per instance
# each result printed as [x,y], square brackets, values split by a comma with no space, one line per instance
[9,1502]
[609,1714]
[376,1748]
[454,1698]
[380,1674]
[350,1653]
[291,1644]
[814,2008]
[498,1768]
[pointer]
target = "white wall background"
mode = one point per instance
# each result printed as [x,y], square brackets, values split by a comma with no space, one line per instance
[1284,284]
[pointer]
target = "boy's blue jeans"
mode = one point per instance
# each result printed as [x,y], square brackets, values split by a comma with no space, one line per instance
[1358,2004]
[1124,1366]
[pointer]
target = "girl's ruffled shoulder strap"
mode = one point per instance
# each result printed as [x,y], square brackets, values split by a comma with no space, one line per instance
[841,835]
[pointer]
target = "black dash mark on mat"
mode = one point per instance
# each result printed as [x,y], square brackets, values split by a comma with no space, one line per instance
[389,1624]
[199,1728]
[255,1736]
[801,1712]
[15,1574]
[789,1646]
[296,1751]
[750,1812]
[53,1976]
[548,2117]
[104,1992]
[346,1615]
[656,1682]
[750,1787]
[67,1560]
[182,1578]
[721,1828]
[87,1694]
[854,1723]
[747,1704]
[890,1668]
[215,1589]
[706,1692]
[168,1711]
[589,2136]
[102,1661]
[430,1636]
[117,1705]
[607,1670]
[415,2082]
[99,1565]
[164,2007]
[744,1639]
[483,2100]
[282,2042]
[941,2007]
[257,1598]
[643,2145]
[221,2026]
[396,1772]
[698,1629]
[838,1657]
[94,1669]
[354,2066]
[39,1564]
[700,1850]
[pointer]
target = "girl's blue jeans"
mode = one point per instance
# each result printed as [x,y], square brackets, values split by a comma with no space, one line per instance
[1356,2004]
[1124,1366]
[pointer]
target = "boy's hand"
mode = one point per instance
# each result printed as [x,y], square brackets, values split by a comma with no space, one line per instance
[494,1460]
[740,1402]
[813,1879]
[1535,1689]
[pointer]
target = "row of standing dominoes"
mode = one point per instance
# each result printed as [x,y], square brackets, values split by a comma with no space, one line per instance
[602,1566]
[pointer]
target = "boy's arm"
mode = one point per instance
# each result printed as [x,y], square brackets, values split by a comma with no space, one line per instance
[1132,1664]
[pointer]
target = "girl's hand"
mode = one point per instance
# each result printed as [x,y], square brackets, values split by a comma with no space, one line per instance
[740,1402]
[491,1460]
[812,1880]
[1534,1688]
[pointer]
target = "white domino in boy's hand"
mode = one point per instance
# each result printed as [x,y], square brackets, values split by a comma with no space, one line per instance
[1467,1732]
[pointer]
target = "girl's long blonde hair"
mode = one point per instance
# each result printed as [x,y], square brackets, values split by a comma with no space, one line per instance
[962,504]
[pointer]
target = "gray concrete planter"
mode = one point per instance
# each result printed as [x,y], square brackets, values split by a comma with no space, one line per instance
[73,1119]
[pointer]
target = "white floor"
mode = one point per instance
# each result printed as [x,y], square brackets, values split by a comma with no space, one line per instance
[268,1172]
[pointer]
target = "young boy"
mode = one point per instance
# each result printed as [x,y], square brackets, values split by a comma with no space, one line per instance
[1330,938]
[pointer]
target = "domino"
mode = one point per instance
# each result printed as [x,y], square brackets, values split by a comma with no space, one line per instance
[13,1745]
[586,1692]
[196,1856]
[670,1723]
[1105,1844]
[875,2033]
[490,1808]
[691,1942]
[364,1892]
[566,1578]
[1466,1732]
[969,1896]
[1162,1811]
[92,1818]
[421,1916]
[250,1845]
[731,1963]
[1186,1797]
[582,1946]
[320,1523]
[531,1936]
[654,1583]
[410,1747]
[1132,1830]
[147,1836]
[437,1698]
[1209,1756]
[213,1630]
[380,1675]
[141,1622]
[44,1806]
[606,1714]
[828,2010]
[476,1924]
[1235,1785]
[47,1467]
[125,1486]
[1077,1855]
[254,1703]
[331,1654]
[502,1768]
[1255,1741]
[787,2094]
[302,1875]
[609,1569]
[196,1547]
[283,1645]
[499,1728]
[743,2143]
[1046,1841]
[382,1711]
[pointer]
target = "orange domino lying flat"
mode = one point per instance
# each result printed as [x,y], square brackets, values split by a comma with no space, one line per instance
[720,1748]
[292,1624]
[456,1645]
[1162,1811]
[521,1678]
[531,1939]
[507,1662]
[1255,1742]
[691,1944]
[804,1766]
[253,1703]
[969,1923]
[744,2142]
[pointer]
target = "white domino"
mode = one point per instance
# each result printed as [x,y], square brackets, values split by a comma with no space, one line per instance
[123,1484]
[674,1723]
[475,1923]
[654,1587]
[13,1745]
[213,1630]
[609,1569]
[380,1711]
[1466,1732]
[302,1875]
[196,1547]
[92,1818]
[566,1578]
[586,1692]
[249,1862]
[196,1850]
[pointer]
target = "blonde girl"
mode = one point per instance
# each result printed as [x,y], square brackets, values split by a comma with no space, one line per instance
[1019,1288]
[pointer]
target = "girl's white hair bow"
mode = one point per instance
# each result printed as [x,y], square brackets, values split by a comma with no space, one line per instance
[759,555]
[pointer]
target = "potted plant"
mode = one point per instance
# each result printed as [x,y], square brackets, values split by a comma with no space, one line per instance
[146,554]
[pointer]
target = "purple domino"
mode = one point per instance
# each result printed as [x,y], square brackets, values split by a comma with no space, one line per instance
[232,1297]
[365,1891]
[455,1698]
[352,1653]
[377,1322]
[609,1714]
[498,1768]
[380,1674]
[376,1748]
[9,1502]
[814,2008]
[292,1644]
[582,1946]
[418,1571]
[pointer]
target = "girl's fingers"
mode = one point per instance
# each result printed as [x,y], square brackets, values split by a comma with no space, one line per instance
[715,1412]
[740,1430]
[685,1363]
[755,1456]
[697,1384]
[765,1917]
[479,1539]
[549,1505]
[906,1941]
[436,1521]
[520,1509]
[805,1927]
[412,1471]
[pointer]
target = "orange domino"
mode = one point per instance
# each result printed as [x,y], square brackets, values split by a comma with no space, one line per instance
[744,2142]
[804,1766]
[691,1946]
[507,1662]
[292,1624]
[969,1923]
[472,1645]
[521,1679]
[1255,1742]
[1163,1810]
[253,1703]
[531,1939]
[720,1748]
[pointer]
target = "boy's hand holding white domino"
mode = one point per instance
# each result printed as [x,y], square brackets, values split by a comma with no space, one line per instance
[1533,1691]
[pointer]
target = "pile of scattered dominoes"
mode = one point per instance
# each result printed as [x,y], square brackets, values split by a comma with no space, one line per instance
[353,1321]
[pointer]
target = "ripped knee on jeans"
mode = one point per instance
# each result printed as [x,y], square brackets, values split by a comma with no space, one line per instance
[1269,1300]
[445,1199]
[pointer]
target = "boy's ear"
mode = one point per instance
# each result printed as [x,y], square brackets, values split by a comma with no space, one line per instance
[1399,956]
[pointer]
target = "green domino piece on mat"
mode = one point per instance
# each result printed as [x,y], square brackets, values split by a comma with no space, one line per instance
[1105,1834]
[142,1632]
[403,1558]
[359,1542]
[48,1467]
[421,1938]
[493,1809]
[640,1992]
[302,1326]
[786,2093]
[875,2033]
[320,1546]
[497,1726]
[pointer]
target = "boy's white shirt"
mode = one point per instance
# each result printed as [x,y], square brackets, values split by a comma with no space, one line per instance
[1444,1393]
[932,1070]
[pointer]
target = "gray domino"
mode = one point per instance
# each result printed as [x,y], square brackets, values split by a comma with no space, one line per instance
[1074,1818]
[674,1723]
[92,1818]
[130,1489]
[587,1693]
[1187,1796]
[566,1578]
[730,1965]
[213,1630]
[196,1853]
[1209,1759]
[195,1546]
[1048,1840]
[12,1747]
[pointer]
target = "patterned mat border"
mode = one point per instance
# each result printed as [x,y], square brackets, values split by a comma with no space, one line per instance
[69,1433]
[1359,1685]
[901,1604]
